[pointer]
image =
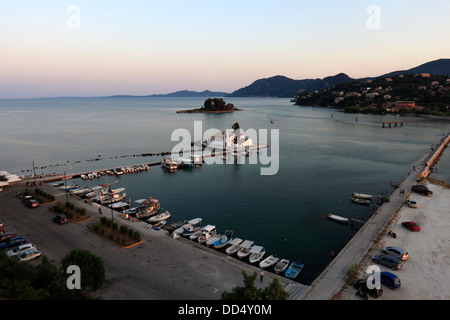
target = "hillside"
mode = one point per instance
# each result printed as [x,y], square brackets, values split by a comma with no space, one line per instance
[426,93]
[436,67]
[283,87]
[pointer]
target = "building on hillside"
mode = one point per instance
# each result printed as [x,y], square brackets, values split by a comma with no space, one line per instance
[405,104]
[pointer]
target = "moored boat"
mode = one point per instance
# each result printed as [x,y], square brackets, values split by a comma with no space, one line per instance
[256,254]
[160,224]
[337,218]
[169,164]
[174,225]
[282,265]
[361,201]
[245,248]
[159,217]
[294,269]
[269,261]
[362,195]
[234,246]
[224,239]
[208,232]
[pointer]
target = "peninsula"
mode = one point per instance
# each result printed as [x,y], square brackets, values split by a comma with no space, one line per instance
[216,105]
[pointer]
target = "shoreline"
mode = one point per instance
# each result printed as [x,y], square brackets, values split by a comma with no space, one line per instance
[205,111]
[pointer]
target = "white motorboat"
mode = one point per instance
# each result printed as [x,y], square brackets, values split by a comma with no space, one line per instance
[282,265]
[159,217]
[169,164]
[234,246]
[337,218]
[119,205]
[361,201]
[208,232]
[256,254]
[195,235]
[83,176]
[269,261]
[193,225]
[244,251]
[362,195]
[224,240]
[160,224]
[212,240]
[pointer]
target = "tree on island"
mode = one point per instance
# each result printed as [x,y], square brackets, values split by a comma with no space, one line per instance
[217,104]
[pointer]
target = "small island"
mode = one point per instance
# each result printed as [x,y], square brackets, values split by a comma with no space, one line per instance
[216,105]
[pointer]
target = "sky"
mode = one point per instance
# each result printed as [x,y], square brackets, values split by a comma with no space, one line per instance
[100,48]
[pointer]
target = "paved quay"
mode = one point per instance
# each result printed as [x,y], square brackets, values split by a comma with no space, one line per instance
[161,268]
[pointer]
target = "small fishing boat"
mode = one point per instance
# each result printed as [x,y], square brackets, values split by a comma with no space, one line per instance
[269,261]
[234,246]
[193,225]
[294,269]
[195,235]
[282,265]
[256,254]
[160,224]
[159,217]
[337,218]
[174,225]
[207,233]
[361,201]
[169,164]
[212,240]
[187,163]
[83,176]
[119,205]
[245,248]
[224,240]
[361,195]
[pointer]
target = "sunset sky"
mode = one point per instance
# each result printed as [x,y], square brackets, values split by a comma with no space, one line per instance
[97,48]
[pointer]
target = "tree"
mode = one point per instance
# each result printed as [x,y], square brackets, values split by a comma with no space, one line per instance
[249,291]
[91,266]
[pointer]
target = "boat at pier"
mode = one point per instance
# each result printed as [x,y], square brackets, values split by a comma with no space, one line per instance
[361,201]
[294,270]
[208,232]
[192,226]
[337,218]
[223,240]
[169,164]
[282,265]
[159,217]
[244,251]
[362,195]
[269,261]
[256,254]
[234,246]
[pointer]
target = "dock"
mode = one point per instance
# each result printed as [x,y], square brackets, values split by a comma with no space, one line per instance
[388,124]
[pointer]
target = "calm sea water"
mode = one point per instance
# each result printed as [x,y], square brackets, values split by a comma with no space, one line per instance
[325,155]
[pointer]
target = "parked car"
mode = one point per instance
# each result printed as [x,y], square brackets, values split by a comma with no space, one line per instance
[26,198]
[60,219]
[20,249]
[30,255]
[397,252]
[388,261]
[13,242]
[411,225]
[6,236]
[412,204]
[361,284]
[421,189]
[32,203]
[390,280]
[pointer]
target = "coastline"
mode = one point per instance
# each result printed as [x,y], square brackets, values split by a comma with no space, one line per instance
[205,111]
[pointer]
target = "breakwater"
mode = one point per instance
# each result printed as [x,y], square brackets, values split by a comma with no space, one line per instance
[433,157]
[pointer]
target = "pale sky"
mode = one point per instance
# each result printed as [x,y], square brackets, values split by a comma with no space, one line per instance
[97,48]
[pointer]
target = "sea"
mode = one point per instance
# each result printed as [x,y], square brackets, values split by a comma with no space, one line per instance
[319,157]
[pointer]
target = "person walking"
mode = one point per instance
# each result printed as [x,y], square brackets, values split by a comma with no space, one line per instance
[100,210]
[261,275]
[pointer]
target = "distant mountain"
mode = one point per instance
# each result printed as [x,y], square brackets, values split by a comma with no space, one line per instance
[436,67]
[178,94]
[283,87]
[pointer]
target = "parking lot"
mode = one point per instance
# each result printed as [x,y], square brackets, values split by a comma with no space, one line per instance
[426,273]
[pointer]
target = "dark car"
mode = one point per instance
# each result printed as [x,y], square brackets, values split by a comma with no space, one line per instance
[361,284]
[390,280]
[32,203]
[13,242]
[60,219]
[388,261]
[413,226]
[423,190]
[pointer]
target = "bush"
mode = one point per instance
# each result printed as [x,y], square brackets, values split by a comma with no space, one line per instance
[103,220]
[123,229]
[136,235]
